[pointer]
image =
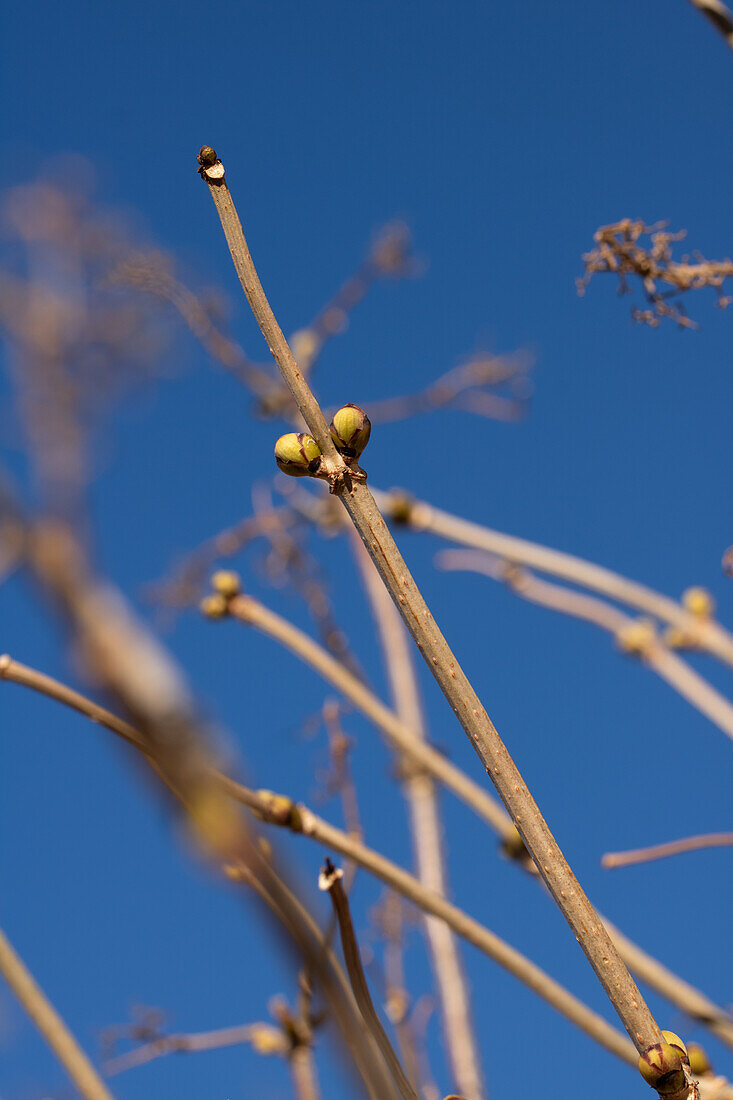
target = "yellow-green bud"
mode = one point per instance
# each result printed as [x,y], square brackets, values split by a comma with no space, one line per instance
[636,637]
[698,602]
[699,1061]
[227,583]
[297,454]
[207,156]
[661,1067]
[399,509]
[214,607]
[350,430]
[675,1041]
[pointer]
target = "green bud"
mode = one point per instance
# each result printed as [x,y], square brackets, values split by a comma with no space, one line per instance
[699,1061]
[661,1067]
[207,156]
[214,607]
[297,454]
[675,1041]
[350,430]
[227,583]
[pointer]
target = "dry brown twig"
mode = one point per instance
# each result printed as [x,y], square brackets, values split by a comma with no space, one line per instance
[50,1024]
[330,881]
[702,632]
[281,811]
[619,251]
[363,512]
[635,637]
[664,851]
[426,833]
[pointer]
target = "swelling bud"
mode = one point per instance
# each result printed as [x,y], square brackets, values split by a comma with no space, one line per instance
[297,454]
[661,1067]
[350,431]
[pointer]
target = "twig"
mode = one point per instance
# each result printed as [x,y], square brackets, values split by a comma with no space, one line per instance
[677,991]
[281,810]
[719,15]
[707,634]
[251,611]
[427,842]
[330,881]
[671,848]
[263,1037]
[634,637]
[363,512]
[49,1023]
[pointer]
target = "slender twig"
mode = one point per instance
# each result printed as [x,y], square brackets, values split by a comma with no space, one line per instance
[427,841]
[49,1023]
[260,1035]
[643,643]
[707,634]
[664,851]
[280,810]
[330,881]
[400,736]
[719,15]
[677,991]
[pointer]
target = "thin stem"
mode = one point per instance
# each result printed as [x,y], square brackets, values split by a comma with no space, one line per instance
[330,881]
[303,1073]
[677,991]
[251,611]
[664,851]
[257,1034]
[657,656]
[49,1023]
[708,634]
[427,839]
[453,682]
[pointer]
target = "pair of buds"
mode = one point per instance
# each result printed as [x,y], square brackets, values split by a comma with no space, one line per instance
[299,455]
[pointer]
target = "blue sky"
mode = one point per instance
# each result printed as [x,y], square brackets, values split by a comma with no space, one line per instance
[504,135]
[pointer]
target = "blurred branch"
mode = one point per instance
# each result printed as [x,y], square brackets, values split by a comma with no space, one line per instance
[426,834]
[330,881]
[619,252]
[702,632]
[635,637]
[49,1023]
[253,613]
[278,810]
[719,15]
[664,851]
[264,1038]
[461,388]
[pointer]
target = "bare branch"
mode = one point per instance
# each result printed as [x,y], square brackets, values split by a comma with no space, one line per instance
[635,637]
[688,999]
[330,881]
[49,1023]
[427,840]
[664,851]
[703,632]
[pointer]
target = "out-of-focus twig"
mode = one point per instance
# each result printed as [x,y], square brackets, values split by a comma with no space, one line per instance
[619,250]
[427,839]
[264,1038]
[719,15]
[469,387]
[664,851]
[635,637]
[280,812]
[50,1024]
[704,633]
